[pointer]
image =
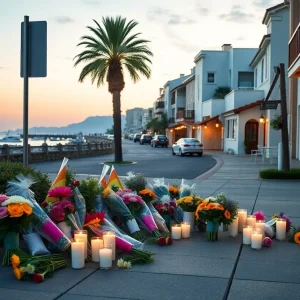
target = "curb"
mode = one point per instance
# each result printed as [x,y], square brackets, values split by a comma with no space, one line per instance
[212,171]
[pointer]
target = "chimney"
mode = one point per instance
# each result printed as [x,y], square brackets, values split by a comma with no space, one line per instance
[181,75]
[226,47]
[193,70]
[160,91]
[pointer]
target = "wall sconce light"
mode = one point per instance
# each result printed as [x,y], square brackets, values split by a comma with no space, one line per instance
[193,127]
[262,119]
[171,130]
[205,126]
[217,123]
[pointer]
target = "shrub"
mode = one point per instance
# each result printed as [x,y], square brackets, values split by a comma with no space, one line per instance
[275,174]
[9,170]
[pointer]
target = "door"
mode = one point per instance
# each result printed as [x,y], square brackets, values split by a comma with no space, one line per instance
[251,135]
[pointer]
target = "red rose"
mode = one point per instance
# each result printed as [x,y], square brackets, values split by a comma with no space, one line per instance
[37,278]
[173,204]
[75,182]
[57,214]
[166,204]
[171,210]
[169,241]
[161,241]
[44,204]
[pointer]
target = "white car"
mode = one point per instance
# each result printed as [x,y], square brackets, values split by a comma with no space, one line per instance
[111,137]
[187,146]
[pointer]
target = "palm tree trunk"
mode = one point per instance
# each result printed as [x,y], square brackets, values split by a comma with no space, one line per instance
[117,126]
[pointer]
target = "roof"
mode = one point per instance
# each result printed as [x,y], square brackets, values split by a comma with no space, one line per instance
[207,120]
[271,10]
[242,108]
[184,83]
[266,39]
[185,123]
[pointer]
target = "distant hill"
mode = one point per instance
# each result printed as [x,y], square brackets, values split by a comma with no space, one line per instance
[96,124]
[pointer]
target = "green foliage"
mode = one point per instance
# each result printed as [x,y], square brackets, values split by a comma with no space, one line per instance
[136,182]
[221,92]
[158,126]
[70,176]
[275,174]
[90,189]
[110,130]
[230,205]
[9,170]
[276,123]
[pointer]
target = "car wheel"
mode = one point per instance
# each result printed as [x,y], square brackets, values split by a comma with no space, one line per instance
[173,153]
[155,145]
[180,152]
[199,154]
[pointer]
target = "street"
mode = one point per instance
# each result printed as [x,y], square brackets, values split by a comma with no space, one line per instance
[152,162]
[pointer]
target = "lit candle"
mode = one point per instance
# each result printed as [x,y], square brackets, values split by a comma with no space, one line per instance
[247,231]
[82,235]
[176,232]
[109,240]
[261,225]
[77,253]
[97,244]
[251,221]
[256,239]
[105,258]
[242,214]
[233,228]
[185,230]
[281,229]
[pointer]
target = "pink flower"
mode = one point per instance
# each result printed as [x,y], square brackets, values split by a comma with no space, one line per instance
[173,204]
[259,216]
[3,198]
[57,213]
[267,242]
[3,212]
[60,192]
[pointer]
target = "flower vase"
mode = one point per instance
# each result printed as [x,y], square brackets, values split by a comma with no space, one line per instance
[65,228]
[11,246]
[212,229]
[167,219]
[189,217]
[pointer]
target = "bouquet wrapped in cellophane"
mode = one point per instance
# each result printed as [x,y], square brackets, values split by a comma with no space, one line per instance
[185,189]
[161,190]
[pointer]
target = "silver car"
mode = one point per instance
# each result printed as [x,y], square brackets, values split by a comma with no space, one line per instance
[187,145]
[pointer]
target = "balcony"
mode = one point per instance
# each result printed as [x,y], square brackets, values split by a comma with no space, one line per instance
[185,115]
[159,107]
[171,120]
[294,53]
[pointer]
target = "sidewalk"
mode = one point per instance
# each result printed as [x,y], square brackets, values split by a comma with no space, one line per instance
[194,268]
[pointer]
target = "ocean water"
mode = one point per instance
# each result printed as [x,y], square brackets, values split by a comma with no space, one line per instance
[35,142]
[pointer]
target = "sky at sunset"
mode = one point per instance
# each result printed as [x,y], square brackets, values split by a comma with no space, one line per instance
[178,30]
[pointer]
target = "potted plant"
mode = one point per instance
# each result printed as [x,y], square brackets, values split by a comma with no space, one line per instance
[276,123]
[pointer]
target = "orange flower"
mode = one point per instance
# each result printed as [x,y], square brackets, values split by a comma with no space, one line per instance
[15,261]
[106,192]
[188,199]
[147,192]
[220,207]
[18,273]
[95,222]
[15,210]
[173,189]
[210,206]
[202,205]
[227,214]
[297,238]
[27,209]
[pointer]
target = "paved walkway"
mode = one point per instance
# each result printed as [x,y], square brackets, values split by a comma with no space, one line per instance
[194,268]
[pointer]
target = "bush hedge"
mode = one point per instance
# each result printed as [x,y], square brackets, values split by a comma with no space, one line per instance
[9,170]
[275,174]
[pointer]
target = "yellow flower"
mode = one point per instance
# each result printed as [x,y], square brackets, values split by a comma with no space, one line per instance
[27,209]
[297,238]
[15,260]
[275,216]
[188,199]
[106,192]
[18,273]
[15,210]
[23,270]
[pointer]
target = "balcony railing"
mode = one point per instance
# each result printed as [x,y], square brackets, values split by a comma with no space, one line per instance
[185,114]
[171,120]
[173,99]
[159,104]
[294,46]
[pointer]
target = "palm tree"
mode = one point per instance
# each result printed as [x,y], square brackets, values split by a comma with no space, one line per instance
[111,48]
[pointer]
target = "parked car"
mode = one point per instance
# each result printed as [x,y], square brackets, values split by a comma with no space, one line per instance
[111,137]
[187,146]
[159,140]
[137,137]
[146,139]
[130,136]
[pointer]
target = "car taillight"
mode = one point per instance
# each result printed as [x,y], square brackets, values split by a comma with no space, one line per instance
[186,145]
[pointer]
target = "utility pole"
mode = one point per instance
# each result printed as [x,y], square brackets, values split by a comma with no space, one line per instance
[284,130]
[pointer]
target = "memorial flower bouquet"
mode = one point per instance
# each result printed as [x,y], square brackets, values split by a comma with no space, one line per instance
[295,236]
[185,189]
[135,182]
[189,203]
[230,208]
[174,192]
[161,190]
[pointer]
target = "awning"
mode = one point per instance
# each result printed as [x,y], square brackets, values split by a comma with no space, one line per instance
[207,120]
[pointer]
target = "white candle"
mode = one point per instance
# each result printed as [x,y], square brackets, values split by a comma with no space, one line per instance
[77,252]
[256,239]
[261,225]
[105,258]
[82,235]
[109,240]
[176,232]
[251,221]
[242,215]
[96,244]
[247,231]
[233,228]
[281,229]
[185,230]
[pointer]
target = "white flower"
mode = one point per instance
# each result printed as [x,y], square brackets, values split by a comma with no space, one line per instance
[211,199]
[127,264]
[23,270]
[124,264]
[16,199]
[120,263]
[165,199]
[30,269]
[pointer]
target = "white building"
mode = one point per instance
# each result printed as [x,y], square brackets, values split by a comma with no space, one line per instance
[134,120]
[146,117]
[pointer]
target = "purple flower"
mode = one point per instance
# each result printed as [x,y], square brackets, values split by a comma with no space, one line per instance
[288,222]
[267,242]
[3,212]
[3,198]
[259,216]
[281,214]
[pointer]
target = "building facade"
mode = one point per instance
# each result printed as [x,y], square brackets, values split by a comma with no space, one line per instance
[134,119]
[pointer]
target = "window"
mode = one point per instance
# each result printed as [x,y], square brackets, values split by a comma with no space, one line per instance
[229,79]
[255,78]
[231,129]
[210,77]
[245,80]
[266,71]
[262,70]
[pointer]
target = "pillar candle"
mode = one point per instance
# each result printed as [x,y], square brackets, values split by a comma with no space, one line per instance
[233,228]
[82,235]
[109,240]
[281,229]
[242,215]
[97,244]
[247,231]
[176,232]
[256,239]
[251,221]
[105,255]
[77,253]
[185,230]
[261,225]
